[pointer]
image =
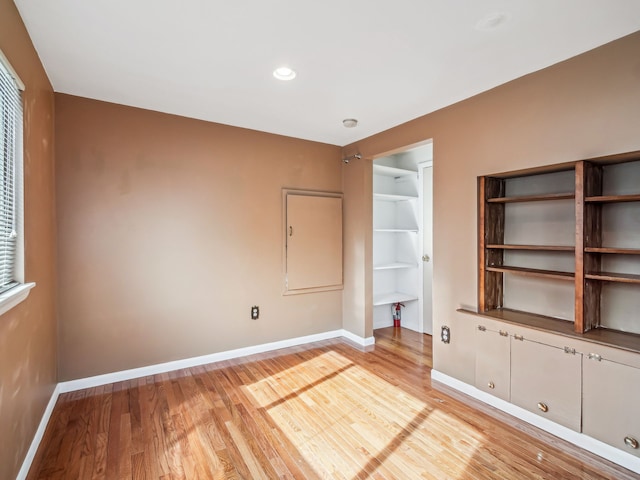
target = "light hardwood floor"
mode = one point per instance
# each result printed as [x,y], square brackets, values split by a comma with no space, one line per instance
[324,410]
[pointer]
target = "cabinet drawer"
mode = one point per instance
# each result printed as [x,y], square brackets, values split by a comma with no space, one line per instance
[546,380]
[493,362]
[610,403]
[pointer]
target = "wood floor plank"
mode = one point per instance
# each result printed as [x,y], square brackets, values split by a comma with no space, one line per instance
[125,454]
[323,410]
[112,433]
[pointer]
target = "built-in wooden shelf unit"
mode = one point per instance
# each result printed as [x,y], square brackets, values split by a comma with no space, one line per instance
[605,195]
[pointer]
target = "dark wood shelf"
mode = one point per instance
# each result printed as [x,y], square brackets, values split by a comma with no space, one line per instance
[620,251]
[614,277]
[533,272]
[612,198]
[591,199]
[551,248]
[533,198]
[601,336]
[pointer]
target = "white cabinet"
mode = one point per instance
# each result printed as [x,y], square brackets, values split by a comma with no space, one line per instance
[611,387]
[530,370]
[588,387]
[396,272]
[493,353]
[545,379]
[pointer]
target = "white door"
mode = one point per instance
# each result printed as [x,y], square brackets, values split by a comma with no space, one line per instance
[426,170]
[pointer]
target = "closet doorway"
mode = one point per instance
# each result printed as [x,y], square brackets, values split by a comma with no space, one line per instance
[402,238]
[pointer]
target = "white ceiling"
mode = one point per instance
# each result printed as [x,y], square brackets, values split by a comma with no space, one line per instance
[382,62]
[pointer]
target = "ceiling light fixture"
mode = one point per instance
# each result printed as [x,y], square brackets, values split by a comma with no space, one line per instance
[284,73]
[492,21]
[350,122]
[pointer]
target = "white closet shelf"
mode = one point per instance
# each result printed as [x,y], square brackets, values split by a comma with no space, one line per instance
[394,265]
[392,171]
[393,297]
[393,230]
[387,197]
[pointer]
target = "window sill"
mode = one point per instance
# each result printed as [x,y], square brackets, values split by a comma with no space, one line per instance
[13,297]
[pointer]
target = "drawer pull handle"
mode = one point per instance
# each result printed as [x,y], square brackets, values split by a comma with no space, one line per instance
[543,407]
[492,385]
[518,337]
[595,356]
[503,333]
[482,328]
[631,442]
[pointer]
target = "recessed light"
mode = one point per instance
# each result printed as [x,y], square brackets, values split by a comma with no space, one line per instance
[350,122]
[492,21]
[284,73]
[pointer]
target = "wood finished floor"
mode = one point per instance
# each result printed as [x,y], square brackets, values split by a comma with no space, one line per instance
[324,410]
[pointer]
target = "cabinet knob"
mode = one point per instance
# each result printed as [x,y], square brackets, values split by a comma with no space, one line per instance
[492,385]
[503,333]
[543,407]
[631,442]
[425,258]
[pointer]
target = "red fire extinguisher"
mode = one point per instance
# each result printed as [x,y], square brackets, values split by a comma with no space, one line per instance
[395,310]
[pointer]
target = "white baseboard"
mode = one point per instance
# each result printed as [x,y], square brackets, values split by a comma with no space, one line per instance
[583,441]
[107,378]
[363,342]
[96,381]
[37,438]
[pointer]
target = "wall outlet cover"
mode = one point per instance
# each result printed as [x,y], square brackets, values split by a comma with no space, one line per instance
[445,334]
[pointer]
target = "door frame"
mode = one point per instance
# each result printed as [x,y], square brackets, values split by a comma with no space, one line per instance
[421,167]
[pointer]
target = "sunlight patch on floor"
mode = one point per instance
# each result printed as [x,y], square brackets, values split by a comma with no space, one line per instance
[346,421]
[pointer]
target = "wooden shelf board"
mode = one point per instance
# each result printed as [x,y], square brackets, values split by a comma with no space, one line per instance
[614,277]
[533,320]
[621,251]
[601,336]
[533,272]
[387,197]
[533,198]
[553,248]
[394,230]
[612,198]
[528,172]
[394,265]
[392,171]
[393,297]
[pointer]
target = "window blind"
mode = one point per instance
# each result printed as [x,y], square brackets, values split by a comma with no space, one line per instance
[10,121]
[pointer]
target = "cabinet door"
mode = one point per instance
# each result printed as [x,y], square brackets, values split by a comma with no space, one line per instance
[493,362]
[546,380]
[610,403]
[313,242]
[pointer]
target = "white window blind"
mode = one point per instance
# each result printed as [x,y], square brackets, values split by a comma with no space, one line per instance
[10,123]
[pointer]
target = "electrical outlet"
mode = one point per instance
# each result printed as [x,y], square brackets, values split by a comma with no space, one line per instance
[255,312]
[445,335]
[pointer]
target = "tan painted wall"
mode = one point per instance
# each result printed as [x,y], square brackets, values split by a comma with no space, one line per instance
[169,230]
[28,331]
[357,308]
[584,107]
